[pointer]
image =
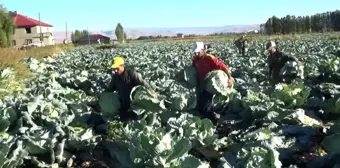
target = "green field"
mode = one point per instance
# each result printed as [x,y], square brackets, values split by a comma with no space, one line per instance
[330,35]
[45,123]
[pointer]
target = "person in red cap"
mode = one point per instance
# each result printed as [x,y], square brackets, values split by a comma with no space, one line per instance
[205,63]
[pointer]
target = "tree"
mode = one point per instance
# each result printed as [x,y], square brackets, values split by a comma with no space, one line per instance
[268,26]
[276,25]
[7,28]
[308,24]
[77,34]
[121,36]
[262,28]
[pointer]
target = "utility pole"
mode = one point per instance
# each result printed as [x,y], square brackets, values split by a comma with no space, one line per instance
[88,35]
[102,33]
[66,32]
[41,35]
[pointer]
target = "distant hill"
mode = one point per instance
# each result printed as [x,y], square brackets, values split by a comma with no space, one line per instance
[134,33]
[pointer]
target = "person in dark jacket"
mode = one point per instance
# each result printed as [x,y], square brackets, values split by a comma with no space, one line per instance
[123,80]
[205,63]
[242,45]
[277,60]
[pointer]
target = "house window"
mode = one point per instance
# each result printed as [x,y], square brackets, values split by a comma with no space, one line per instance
[28,30]
[28,41]
[14,43]
[41,37]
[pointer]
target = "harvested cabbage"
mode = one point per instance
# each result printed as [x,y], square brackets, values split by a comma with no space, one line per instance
[290,70]
[216,82]
[109,103]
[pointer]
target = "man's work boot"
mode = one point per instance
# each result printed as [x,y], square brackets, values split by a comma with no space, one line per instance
[214,117]
[218,118]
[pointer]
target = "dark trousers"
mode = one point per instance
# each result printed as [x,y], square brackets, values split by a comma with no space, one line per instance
[125,113]
[205,105]
[242,50]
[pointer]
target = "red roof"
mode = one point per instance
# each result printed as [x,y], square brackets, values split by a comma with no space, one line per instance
[24,21]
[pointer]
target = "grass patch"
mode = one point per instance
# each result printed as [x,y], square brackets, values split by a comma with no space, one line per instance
[39,53]
[335,36]
[10,57]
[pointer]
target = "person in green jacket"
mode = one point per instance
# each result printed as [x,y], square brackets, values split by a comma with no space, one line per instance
[242,45]
[276,60]
[123,80]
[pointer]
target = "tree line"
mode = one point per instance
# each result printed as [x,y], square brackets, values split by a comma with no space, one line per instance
[321,22]
[164,37]
[119,32]
[78,34]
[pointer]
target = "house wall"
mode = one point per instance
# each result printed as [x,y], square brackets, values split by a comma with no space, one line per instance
[105,40]
[21,37]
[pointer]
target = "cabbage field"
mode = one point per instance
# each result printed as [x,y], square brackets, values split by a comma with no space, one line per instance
[49,123]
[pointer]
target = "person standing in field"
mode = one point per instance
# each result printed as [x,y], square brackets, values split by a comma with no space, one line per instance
[209,49]
[242,45]
[276,61]
[123,80]
[205,63]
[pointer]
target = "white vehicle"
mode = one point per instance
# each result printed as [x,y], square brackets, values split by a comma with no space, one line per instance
[36,44]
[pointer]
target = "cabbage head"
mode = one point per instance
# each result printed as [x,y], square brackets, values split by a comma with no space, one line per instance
[145,99]
[187,77]
[289,70]
[109,103]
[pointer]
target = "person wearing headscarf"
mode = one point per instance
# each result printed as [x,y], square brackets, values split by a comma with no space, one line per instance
[276,61]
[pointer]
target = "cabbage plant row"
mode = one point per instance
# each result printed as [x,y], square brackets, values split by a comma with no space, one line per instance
[49,124]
